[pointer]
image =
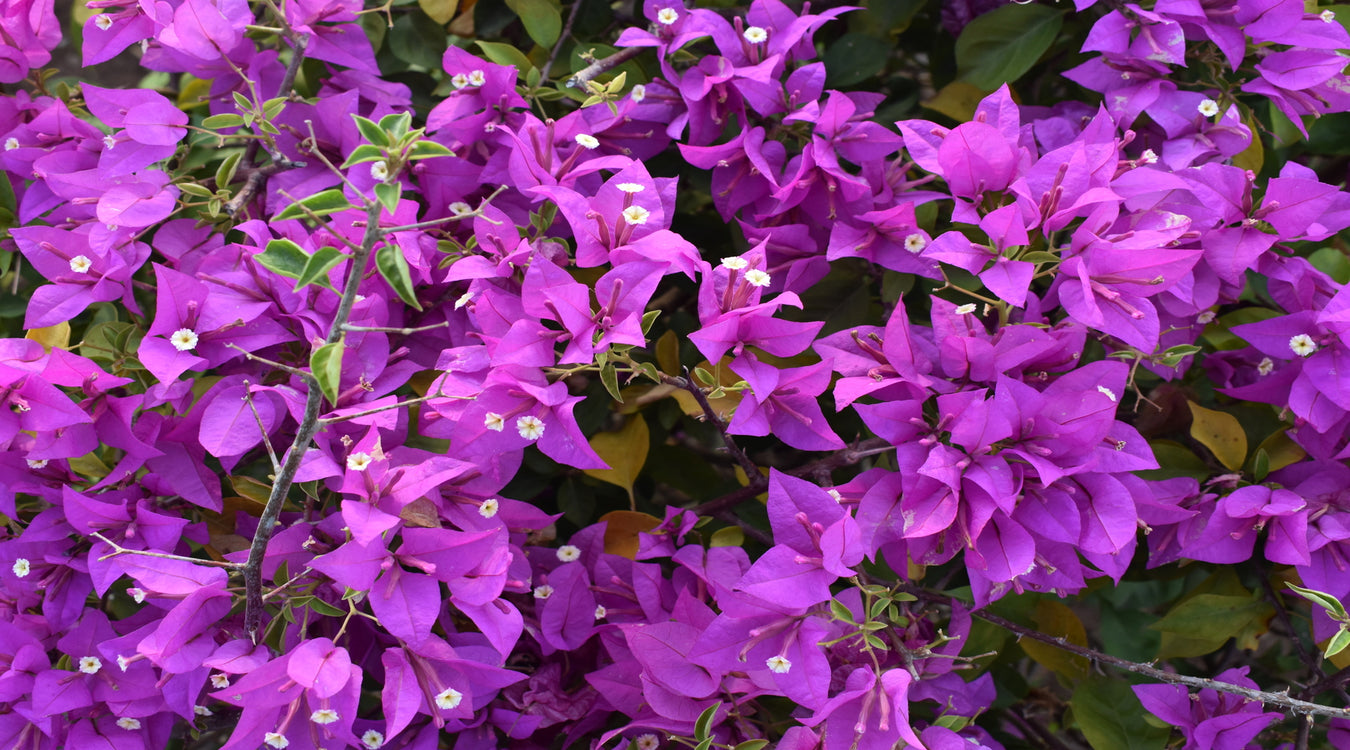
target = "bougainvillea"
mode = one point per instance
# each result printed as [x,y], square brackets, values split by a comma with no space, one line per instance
[475,375]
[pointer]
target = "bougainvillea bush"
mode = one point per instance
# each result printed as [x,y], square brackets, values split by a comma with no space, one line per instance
[521,374]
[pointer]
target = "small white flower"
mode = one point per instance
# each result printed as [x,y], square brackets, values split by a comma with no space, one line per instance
[667,16]
[372,739]
[757,277]
[109,142]
[324,716]
[36,463]
[90,664]
[600,611]
[1327,16]
[184,339]
[137,594]
[129,724]
[123,662]
[220,680]
[1206,317]
[477,78]
[1208,107]
[587,142]
[11,143]
[756,35]
[202,711]
[463,300]
[449,698]
[277,740]
[966,309]
[460,208]
[379,170]
[543,591]
[1303,345]
[530,427]
[489,127]
[735,263]
[459,80]
[569,553]
[1265,366]
[630,187]
[636,215]
[81,264]
[1148,157]
[778,664]
[22,568]
[647,742]
[358,461]
[1107,392]
[103,21]
[494,421]
[638,93]
[489,508]
[915,243]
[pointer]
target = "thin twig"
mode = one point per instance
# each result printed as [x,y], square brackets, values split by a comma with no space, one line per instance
[387,407]
[604,65]
[557,46]
[120,550]
[267,442]
[400,331]
[751,470]
[305,376]
[838,459]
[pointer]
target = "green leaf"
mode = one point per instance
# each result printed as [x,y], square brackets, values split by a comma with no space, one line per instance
[320,204]
[364,153]
[856,57]
[428,150]
[221,121]
[1003,44]
[394,268]
[609,377]
[1324,600]
[273,107]
[1205,622]
[371,132]
[418,40]
[840,611]
[730,536]
[878,607]
[389,194]
[284,257]
[1333,262]
[317,267]
[704,722]
[505,54]
[752,745]
[326,365]
[440,11]
[396,125]
[1054,618]
[243,103]
[648,319]
[225,172]
[193,189]
[1221,433]
[542,20]
[318,605]
[1112,718]
[1338,642]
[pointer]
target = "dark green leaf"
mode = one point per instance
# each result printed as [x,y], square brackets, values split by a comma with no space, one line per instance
[418,40]
[1205,622]
[317,267]
[856,57]
[1112,718]
[541,18]
[1001,45]
[609,377]
[704,721]
[505,54]
[840,611]
[225,172]
[324,608]
[394,268]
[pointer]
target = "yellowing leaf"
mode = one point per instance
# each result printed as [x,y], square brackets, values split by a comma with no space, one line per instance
[731,536]
[89,466]
[725,404]
[1282,450]
[625,451]
[441,11]
[1056,619]
[1254,155]
[668,353]
[57,336]
[957,100]
[1221,433]
[622,528]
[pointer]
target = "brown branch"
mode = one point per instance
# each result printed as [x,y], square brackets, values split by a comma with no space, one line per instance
[604,65]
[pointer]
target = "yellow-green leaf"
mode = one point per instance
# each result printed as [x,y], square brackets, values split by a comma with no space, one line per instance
[1254,155]
[957,100]
[731,536]
[668,353]
[622,528]
[541,18]
[326,365]
[57,336]
[1221,433]
[625,451]
[441,11]
[1056,619]
[1281,450]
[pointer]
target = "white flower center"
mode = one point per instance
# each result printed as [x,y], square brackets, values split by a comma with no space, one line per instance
[90,664]
[587,142]
[630,187]
[638,93]
[277,740]
[1303,345]
[459,80]
[81,264]
[129,724]
[220,681]
[477,78]
[379,170]
[103,21]
[543,591]
[735,263]
[1208,107]
[372,739]
[449,698]
[494,421]
[757,277]
[647,742]
[460,208]
[36,464]
[1107,392]
[569,553]
[915,243]
[324,716]
[1327,16]
[1265,366]
[137,594]
[202,711]
[489,508]
[1148,157]
[11,143]
[530,427]
[358,461]
[636,215]
[184,339]
[778,664]
[22,568]
[667,16]
[965,309]
[600,612]
[109,142]
[756,35]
